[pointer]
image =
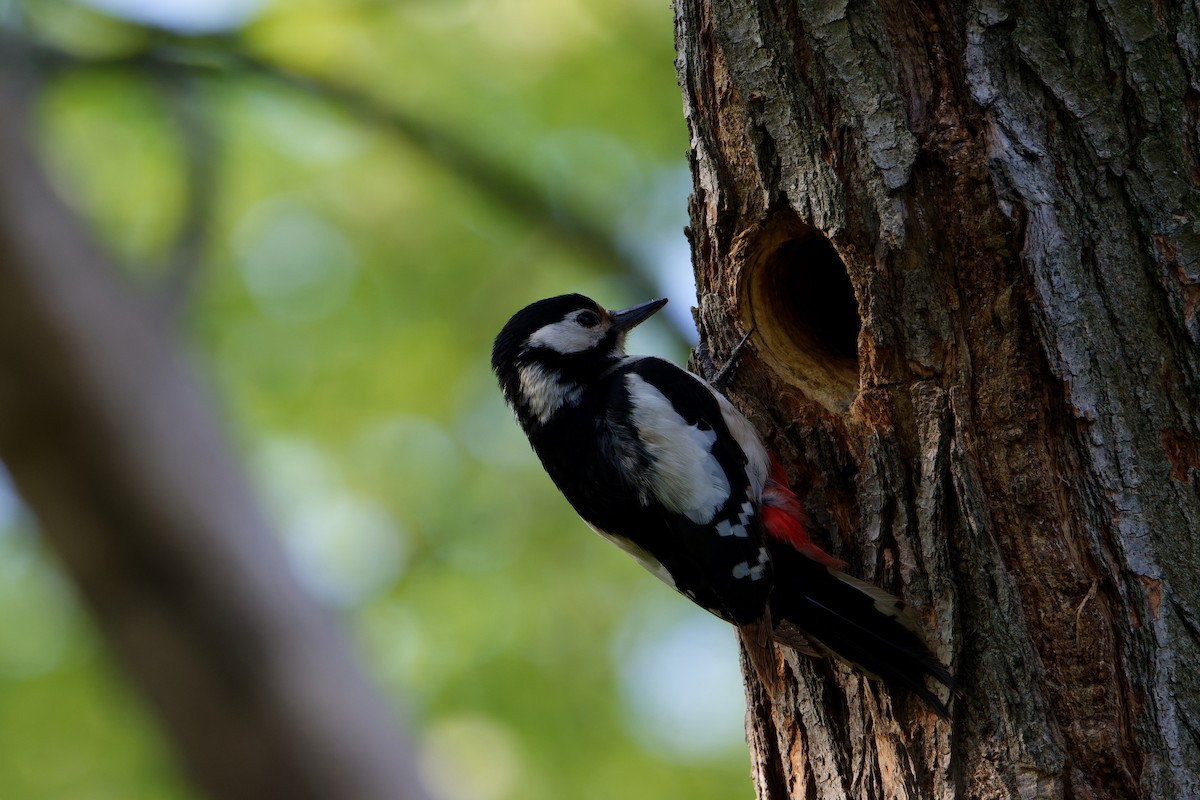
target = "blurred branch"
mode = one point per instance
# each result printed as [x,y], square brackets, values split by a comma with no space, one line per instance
[199,146]
[110,442]
[508,190]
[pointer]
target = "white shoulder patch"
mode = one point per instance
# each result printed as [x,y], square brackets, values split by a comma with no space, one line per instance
[684,474]
[544,391]
[758,463]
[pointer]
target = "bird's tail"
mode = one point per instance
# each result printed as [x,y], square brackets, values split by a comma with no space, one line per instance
[757,636]
[817,608]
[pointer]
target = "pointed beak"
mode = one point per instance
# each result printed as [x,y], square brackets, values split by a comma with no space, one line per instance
[628,318]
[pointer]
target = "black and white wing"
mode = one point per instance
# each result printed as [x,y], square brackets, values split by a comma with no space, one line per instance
[691,504]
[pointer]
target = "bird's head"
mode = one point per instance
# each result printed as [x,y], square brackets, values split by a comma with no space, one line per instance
[552,349]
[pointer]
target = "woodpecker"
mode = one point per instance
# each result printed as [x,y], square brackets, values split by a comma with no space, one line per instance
[661,464]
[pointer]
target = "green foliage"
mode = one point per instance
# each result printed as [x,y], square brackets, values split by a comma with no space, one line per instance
[343,315]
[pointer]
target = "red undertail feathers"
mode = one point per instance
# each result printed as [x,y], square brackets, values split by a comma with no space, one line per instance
[784,518]
[817,607]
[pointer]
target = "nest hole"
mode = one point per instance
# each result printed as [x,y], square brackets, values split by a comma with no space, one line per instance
[802,302]
[820,298]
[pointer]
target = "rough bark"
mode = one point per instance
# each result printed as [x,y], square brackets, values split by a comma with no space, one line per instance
[109,440]
[965,235]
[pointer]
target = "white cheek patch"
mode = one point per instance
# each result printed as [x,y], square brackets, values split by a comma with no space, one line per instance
[684,475]
[544,391]
[567,336]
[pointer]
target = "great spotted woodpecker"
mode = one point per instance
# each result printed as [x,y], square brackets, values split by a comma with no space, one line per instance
[662,465]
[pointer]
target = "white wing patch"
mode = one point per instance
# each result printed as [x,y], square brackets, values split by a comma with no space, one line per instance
[684,475]
[754,573]
[545,392]
[728,527]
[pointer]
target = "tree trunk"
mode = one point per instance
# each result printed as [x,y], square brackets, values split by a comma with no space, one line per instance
[965,236]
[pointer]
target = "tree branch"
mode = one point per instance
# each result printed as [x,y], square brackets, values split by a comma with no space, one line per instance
[191,120]
[510,191]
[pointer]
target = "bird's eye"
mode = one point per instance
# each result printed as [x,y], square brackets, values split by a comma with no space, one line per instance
[588,319]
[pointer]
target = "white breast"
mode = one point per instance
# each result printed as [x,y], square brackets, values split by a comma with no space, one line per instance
[640,554]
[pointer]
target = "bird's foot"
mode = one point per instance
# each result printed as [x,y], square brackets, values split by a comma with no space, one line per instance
[718,378]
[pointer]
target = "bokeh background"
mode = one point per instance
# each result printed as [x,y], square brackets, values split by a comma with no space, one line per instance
[343,201]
